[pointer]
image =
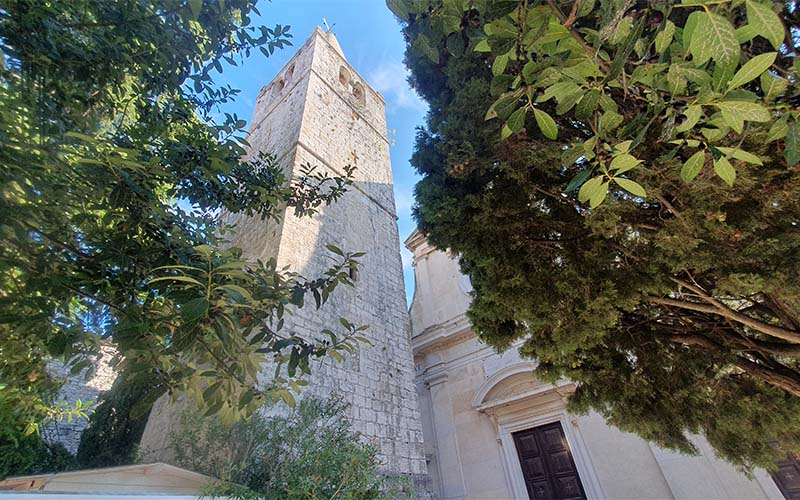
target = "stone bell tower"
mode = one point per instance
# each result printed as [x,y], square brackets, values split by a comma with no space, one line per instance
[320,111]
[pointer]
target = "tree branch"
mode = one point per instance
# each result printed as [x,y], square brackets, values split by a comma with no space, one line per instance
[223,365]
[749,344]
[55,241]
[781,310]
[673,211]
[571,19]
[563,20]
[726,312]
[780,380]
[721,309]
[96,299]
[770,376]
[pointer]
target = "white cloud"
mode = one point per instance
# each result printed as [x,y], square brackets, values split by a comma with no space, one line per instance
[390,80]
[403,200]
[407,257]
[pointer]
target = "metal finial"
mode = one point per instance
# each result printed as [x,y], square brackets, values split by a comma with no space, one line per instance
[328,28]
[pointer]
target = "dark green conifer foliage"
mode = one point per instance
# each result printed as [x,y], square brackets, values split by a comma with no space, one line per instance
[668,292]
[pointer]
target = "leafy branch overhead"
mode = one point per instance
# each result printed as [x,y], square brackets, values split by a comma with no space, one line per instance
[701,75]
[117,160]
[219,321]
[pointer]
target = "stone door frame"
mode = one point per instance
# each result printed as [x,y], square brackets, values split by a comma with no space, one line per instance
[542,405]
[580,453]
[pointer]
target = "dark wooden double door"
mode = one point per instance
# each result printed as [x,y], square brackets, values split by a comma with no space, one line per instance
[547,464]
[787,477]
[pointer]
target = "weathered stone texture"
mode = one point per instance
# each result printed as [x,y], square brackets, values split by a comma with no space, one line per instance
[338,127]
[77,387]
[319,111]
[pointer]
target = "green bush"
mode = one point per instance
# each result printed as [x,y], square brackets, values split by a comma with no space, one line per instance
[311,452]
[51,457]
[32,455]
[24,452]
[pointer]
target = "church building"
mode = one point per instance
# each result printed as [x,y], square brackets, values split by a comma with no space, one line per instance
[319,112]
[493,431]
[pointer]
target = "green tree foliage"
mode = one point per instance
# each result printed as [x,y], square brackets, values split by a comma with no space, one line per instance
[116,161]
[32,455]
[620,179]
[309,453]
[22,453]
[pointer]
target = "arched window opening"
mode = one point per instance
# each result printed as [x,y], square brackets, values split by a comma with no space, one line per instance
[344,76]
[358,93]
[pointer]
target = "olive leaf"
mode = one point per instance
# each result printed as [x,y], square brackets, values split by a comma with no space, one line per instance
[765,22]
[692,167]
[664,37]
[714,38]
[792,151]
[725,170]
[752,69]
[546,123]
[630,186]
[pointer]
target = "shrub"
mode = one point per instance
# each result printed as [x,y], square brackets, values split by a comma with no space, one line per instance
[309,452]
[32,455]
[22,450]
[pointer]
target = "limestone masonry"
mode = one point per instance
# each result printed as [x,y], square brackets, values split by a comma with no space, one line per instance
[78,387]
[320,111]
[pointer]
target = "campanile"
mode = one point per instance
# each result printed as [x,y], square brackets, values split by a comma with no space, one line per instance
[320,111]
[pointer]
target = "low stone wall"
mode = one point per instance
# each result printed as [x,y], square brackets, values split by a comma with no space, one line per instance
[77,387]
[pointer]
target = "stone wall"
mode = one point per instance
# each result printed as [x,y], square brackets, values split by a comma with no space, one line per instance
[77,387]
[343,122]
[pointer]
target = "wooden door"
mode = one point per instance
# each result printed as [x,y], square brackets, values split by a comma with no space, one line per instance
[787,477]
[547,464]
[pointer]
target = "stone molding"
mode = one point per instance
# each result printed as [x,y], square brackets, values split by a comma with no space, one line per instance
[497,377]
[450,332]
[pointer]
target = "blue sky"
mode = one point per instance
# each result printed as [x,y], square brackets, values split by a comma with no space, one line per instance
[371,40]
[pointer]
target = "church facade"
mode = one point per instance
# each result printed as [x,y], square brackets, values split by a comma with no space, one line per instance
[493,431]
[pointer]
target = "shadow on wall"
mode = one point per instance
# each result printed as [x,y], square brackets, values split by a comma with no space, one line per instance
[377,380]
